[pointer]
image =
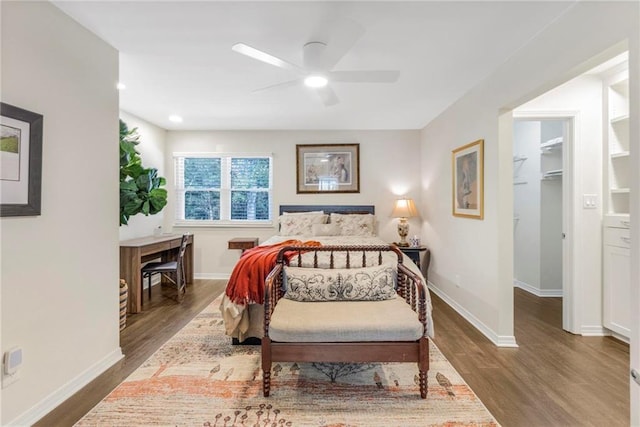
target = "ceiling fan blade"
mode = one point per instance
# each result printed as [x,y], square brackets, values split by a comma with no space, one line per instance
[279,85]
[254,53]
[370,76]
[327,95]
[339,37]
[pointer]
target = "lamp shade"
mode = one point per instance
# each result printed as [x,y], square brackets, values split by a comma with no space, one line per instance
[404,208]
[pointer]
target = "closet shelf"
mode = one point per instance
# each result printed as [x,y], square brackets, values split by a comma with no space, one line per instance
[621,154]
[519,158]
[619,191]
[619,119]
[519,182]
[551,144]
[552,174]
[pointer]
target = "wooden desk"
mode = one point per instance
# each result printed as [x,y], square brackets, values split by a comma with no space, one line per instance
[135,252]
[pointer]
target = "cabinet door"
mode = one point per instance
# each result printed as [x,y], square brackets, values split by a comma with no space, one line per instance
[617,290]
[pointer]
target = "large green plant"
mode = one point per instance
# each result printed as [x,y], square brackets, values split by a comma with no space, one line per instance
[140,190]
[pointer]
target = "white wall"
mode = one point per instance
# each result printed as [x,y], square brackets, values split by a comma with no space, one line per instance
[151,149]
[481,252]
[389,166]
[60,269]
[582,96]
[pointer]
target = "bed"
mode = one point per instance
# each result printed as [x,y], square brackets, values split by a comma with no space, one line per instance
[352,225]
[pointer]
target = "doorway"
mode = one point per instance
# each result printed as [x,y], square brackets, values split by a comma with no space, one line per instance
[541,188]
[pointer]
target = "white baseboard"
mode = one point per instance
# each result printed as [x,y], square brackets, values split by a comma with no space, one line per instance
[498,340]
[542,293]
[212,276]
[52,401]
[618,336]
[594,331]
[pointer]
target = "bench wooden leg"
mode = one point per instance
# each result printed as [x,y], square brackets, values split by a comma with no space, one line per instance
[423,366]
[266,366]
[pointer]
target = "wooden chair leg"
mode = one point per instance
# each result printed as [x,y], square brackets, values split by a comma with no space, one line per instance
[266,366]
[423,384]
[423,366]
[179,286]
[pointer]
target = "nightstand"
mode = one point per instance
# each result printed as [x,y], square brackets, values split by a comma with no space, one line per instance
[243,243]
[413,252]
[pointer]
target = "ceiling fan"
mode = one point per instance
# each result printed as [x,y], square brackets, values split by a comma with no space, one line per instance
[318,60]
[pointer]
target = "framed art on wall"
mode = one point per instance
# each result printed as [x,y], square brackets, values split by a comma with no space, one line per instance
[468,175]
[328,168]
[20,161]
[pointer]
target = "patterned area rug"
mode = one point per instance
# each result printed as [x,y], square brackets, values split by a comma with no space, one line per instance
[198,378]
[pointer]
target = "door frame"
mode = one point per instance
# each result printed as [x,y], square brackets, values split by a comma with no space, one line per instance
[571,304]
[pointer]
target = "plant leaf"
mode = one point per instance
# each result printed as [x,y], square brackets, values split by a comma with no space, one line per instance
[145,207]
[133,207]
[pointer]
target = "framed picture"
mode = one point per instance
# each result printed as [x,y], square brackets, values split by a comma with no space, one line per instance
[20,161]
[328,168]
[468,184]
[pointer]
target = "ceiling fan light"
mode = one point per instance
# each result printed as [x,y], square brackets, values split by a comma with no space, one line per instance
[315,81]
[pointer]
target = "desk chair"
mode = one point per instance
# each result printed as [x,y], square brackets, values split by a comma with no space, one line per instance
[172,271]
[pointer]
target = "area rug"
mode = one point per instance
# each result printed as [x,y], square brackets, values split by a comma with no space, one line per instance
[198,378]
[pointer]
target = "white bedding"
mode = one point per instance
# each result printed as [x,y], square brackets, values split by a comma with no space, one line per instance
[246,321]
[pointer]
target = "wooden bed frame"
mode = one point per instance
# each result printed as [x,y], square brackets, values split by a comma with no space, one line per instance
[409,286]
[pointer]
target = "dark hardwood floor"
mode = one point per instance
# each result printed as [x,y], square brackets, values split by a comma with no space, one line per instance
[553,379]
[160,319]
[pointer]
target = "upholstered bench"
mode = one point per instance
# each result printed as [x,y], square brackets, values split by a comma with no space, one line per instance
[354,315]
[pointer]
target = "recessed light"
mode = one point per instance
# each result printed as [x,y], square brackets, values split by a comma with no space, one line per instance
[121,86]
[316,80]
[175,118]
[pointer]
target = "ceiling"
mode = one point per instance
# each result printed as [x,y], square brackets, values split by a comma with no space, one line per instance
[176,57]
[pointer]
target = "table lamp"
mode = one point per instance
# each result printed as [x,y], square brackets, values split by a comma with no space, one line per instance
[404,209]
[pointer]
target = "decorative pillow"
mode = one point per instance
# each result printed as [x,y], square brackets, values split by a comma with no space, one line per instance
[325,230]
[341,284]
[300,225]
[355,224]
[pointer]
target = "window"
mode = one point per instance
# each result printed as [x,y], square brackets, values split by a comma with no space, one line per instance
[223,188]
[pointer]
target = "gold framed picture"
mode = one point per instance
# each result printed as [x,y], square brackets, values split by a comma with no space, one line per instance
[468,180]
[328,168]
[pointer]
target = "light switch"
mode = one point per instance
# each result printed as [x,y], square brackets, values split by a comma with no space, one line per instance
[589,201]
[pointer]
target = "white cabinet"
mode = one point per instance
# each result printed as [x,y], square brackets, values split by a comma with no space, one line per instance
[617,283]
[616,233]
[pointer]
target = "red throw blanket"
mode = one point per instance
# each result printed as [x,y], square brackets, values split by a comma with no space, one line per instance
[246,284]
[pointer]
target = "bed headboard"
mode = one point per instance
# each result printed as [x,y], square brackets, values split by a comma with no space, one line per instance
[343,209]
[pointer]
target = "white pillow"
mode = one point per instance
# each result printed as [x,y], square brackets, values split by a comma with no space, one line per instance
[300,225]
[355,224]
[325,230]
[340,284]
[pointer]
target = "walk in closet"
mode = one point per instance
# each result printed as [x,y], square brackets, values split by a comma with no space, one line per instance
[537,194]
